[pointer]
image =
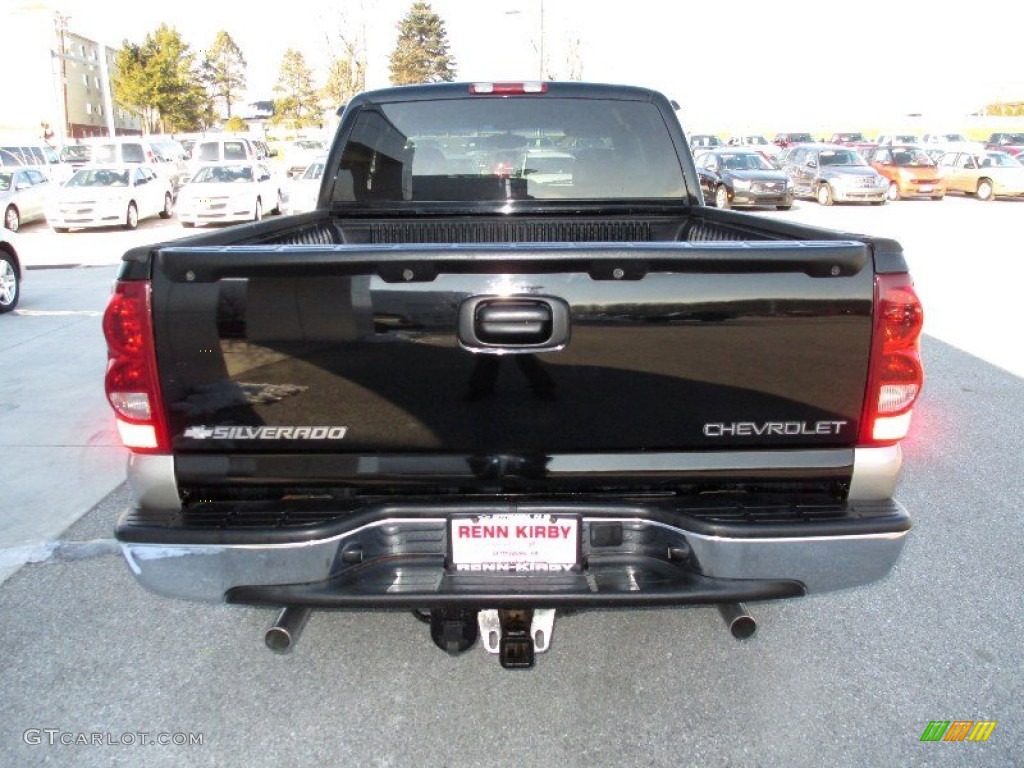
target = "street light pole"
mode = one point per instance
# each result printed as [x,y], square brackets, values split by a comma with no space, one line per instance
[539,45]
[62,28]
[542,67]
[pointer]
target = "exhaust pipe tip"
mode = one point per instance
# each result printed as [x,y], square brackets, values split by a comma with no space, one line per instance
[284,634]
[741,624]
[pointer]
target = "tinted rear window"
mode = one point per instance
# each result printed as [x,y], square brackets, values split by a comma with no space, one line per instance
[484,148]
[133,153]
[208,151]
[234,150]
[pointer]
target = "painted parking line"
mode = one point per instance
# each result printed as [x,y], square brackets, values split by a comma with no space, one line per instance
[56,313]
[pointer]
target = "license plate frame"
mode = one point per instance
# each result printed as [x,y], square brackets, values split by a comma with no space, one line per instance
[520,542]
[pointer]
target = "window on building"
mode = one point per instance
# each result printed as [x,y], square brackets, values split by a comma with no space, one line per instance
[88,109]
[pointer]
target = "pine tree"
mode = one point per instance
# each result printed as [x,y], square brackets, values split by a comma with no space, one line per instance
[299,102]
[224,70]
[421,54]
[158,81]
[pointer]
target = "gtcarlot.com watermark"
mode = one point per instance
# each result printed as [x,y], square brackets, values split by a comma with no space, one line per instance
[57,737]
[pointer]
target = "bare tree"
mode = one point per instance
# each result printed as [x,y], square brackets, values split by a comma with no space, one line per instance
[347,53]
[574,59]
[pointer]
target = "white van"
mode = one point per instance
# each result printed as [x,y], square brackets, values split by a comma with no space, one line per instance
[225,148]
[15,152]
[139,149]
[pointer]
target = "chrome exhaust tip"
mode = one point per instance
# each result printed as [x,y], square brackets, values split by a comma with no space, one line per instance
[284,633]
[741,624]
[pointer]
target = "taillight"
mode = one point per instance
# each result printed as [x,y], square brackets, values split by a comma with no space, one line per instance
[896,374]
[507,89]
[133,389]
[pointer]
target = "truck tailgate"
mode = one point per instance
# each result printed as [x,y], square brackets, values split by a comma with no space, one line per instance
[522,351]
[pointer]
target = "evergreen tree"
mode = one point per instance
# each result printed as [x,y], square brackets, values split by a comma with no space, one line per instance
[224,70]
[421,53]
[158,81]
[299,102]
[236,125]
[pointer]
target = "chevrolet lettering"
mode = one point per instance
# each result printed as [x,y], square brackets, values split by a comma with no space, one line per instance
[750,428]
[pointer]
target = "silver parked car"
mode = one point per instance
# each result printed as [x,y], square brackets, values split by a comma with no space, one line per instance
[832,173]
[23,194]
[11,271]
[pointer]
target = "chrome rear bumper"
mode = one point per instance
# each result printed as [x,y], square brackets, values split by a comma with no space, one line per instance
[401,561]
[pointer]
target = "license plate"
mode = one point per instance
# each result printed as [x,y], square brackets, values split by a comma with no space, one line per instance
[926,188]
[520,543]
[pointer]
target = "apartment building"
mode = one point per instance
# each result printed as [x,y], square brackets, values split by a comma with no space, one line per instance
[60,87]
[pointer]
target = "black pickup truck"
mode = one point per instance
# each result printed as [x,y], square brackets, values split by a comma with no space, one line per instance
[512,364]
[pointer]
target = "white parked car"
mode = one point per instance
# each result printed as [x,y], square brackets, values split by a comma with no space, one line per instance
[300,153]
[109,196]
[304,190]
[228,193]
[166,157]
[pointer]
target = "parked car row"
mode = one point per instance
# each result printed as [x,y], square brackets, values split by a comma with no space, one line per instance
[1012,143]
[832,172]
[122,194]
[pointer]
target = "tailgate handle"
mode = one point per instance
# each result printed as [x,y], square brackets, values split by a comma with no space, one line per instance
[503,321]
[514,324]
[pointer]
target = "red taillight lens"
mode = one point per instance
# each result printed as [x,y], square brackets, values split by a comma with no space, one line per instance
[132,386]
[896,374]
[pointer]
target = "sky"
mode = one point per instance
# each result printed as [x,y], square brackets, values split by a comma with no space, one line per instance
[793,66]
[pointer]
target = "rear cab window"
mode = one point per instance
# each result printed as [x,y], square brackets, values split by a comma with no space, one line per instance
[133,153]
[482,148]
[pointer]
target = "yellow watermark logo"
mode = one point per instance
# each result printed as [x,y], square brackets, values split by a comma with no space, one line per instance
[958,730]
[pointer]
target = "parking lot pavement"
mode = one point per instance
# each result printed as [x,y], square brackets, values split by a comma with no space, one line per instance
[41,247]
[61,452]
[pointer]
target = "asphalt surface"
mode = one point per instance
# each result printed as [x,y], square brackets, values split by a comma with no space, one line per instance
[845,679]
[61,452]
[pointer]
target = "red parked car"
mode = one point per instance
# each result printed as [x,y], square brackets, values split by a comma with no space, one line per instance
[1010,143]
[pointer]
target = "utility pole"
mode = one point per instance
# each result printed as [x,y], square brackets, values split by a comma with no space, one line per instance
[61,22]
[541,46]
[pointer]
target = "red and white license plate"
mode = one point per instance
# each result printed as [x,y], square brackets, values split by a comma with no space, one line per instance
[519,543]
